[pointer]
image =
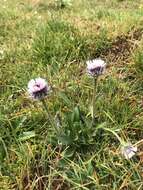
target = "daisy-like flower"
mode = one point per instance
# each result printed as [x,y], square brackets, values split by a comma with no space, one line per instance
[95,67]
[128,150]
[38,88]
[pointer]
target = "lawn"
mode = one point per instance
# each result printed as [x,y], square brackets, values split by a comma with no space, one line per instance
[65,142]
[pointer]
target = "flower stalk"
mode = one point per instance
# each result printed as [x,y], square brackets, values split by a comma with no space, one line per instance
[49,118]
[94,99]
[122,142]
[38,89]
[127,149]
[95,68]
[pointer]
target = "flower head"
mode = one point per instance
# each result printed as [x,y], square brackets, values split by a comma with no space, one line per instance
[38,88]
[95,67]
[128,150]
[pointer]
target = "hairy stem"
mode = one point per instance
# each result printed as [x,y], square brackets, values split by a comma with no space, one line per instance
[49,118]
[114,133]
[93,100]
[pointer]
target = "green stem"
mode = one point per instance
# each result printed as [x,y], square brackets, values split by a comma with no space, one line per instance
[139,142]
[93,100]
[46,108]
[114,133]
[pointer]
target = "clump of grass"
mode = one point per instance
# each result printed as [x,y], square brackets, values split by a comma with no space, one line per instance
[58,42]
[139,61]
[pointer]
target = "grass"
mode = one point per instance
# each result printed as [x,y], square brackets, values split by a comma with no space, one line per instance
[41,38]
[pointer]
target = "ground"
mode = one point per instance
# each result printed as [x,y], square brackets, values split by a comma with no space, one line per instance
[41,38]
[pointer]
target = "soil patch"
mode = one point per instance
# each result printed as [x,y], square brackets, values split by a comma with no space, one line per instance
[123,45]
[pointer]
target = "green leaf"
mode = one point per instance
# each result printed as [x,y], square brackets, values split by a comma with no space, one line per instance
[64,97]
[27,135]
[66,140]
[76,114]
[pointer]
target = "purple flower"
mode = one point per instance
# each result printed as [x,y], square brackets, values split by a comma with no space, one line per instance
[95,67]
[38,88]
[128,150]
